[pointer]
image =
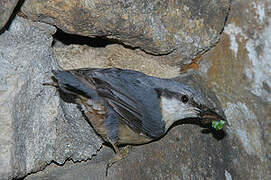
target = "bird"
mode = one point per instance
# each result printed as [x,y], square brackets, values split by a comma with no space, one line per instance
[128,107]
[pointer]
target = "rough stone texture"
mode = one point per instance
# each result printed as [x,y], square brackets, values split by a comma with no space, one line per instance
[76,56]
[180,28]
[238,70]
[6,9]
[36,126]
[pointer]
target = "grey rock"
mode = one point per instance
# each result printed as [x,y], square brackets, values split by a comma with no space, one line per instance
[238,70]
[36,126]
[6,9]
[78,56]
[179,28]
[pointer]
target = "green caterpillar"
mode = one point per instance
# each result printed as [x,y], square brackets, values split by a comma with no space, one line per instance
[218,125]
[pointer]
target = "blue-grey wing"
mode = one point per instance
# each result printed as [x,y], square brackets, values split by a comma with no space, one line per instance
[130,95]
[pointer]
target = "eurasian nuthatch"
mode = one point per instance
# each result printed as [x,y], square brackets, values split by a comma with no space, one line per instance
[129,107]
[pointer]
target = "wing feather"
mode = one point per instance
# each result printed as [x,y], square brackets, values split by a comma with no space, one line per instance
[128,94]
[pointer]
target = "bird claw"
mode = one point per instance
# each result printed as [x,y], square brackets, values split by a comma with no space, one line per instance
[125,151]
[112,161]
[121,154]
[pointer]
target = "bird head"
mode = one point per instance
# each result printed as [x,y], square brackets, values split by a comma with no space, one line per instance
[181,101]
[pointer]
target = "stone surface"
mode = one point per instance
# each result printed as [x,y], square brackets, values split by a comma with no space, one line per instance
[6,9]
[76,56]
[36,126]
[179,28]
[238,70]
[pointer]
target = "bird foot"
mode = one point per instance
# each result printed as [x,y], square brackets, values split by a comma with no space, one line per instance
[120,154]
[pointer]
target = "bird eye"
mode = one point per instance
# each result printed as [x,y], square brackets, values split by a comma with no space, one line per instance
[184,99]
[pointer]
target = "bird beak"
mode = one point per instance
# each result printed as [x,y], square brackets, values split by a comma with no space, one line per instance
[209,116]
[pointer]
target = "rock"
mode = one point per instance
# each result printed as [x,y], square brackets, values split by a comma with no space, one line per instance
[238,70]
[6,9]
[77,56]
[36,126]
[182,29]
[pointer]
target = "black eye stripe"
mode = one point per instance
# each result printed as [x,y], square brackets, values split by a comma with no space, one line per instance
[184,98]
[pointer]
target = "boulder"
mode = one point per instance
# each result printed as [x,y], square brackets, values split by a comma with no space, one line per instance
[36,126]
[181,29]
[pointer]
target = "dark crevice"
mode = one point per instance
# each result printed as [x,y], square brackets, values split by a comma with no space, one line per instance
[12,16]
[207,129]
[161,54]
[220,33]
[227,17]
[97,42]
[69,39]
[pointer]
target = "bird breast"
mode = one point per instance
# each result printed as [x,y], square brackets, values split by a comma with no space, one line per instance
[96,114]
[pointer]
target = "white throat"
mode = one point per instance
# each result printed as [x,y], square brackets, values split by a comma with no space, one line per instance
[174,110]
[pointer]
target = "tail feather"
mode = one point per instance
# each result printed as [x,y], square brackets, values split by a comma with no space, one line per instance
[69,83]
